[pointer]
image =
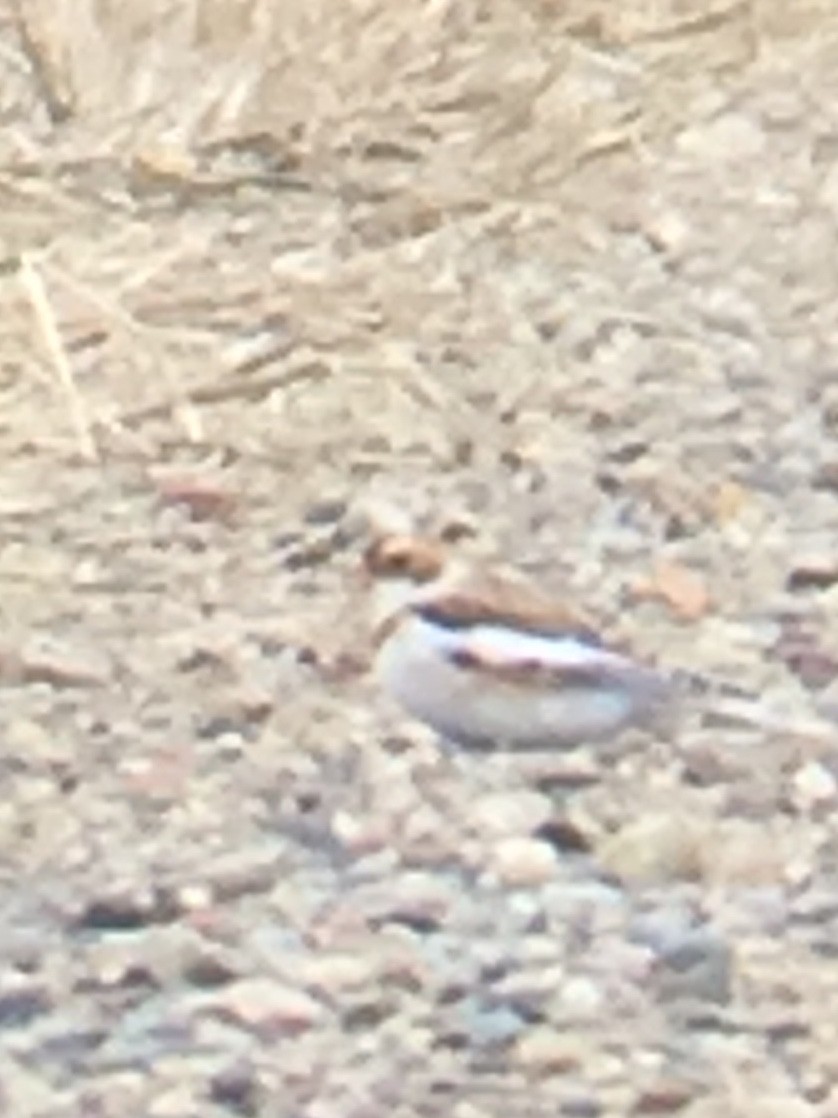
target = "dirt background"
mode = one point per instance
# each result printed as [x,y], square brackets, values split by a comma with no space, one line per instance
[562,274]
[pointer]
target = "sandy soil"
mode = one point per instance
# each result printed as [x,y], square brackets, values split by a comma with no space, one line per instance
[561,274]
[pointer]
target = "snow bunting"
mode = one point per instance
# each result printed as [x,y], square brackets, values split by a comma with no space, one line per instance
[489,663]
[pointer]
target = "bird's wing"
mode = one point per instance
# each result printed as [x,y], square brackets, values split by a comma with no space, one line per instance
[502,602]
[507,630]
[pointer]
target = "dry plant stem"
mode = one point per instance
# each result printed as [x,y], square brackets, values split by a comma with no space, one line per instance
[181,404]
[44,71]
[701,23]
[36,292]
[212,392]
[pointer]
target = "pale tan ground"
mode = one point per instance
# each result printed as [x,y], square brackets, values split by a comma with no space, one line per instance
[561,272]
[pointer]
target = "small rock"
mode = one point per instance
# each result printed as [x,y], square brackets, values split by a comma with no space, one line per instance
[175,1102]
[489,1026]
[267,1006]
[121,961]
[203,497]
[59,666]
[533,987]
[237,1089]
[418,899]
[812,572]
[310,553]
[668,231]
[21,1002]
[511,813]
[730,136]
[523,862]
[582,998]
[325,510]
[802,651]
[690,961]
[124,908]
[161,775]
[564,836]
[358,834]
[666,1096]
[658,848]
[31,744]
[545,1051]
[813,785]
[207,965]
[334,973]
[194,897]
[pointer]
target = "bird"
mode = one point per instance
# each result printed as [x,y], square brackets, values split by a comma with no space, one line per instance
[491,663]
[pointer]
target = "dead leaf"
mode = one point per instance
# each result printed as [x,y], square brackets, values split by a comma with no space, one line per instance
[680,588]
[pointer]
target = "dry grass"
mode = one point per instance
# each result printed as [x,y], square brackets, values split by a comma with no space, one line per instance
[209,191]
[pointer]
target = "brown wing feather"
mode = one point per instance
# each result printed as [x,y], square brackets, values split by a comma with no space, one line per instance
[500,601]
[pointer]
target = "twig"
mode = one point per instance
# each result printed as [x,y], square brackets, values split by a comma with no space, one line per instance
[216,392]
[44,72]
[36,292]
[698,24]
[181,405]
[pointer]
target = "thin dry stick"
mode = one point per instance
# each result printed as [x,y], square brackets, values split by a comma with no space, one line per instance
[698,24]
[36,292]
[181,406]
[44,71]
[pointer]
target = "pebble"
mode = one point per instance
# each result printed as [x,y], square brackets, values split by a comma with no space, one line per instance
[236,1088]
[176,1102]
[489,1026]
[690,961]
[523,863]
[359,835]
[656,849]
[582,998]
[728,136]
[510,814]
[32,744]
[267,1006]
[666,1096]
[22,1000]
[334,973]
[533,986]
[325,510]
[415,897]
[125,906]
[546,1051]
[813,785]
[668,230]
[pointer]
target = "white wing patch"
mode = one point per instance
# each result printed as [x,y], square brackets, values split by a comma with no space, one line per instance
[496,644]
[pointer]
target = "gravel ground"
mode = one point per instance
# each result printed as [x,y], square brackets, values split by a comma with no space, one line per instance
[558,275]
